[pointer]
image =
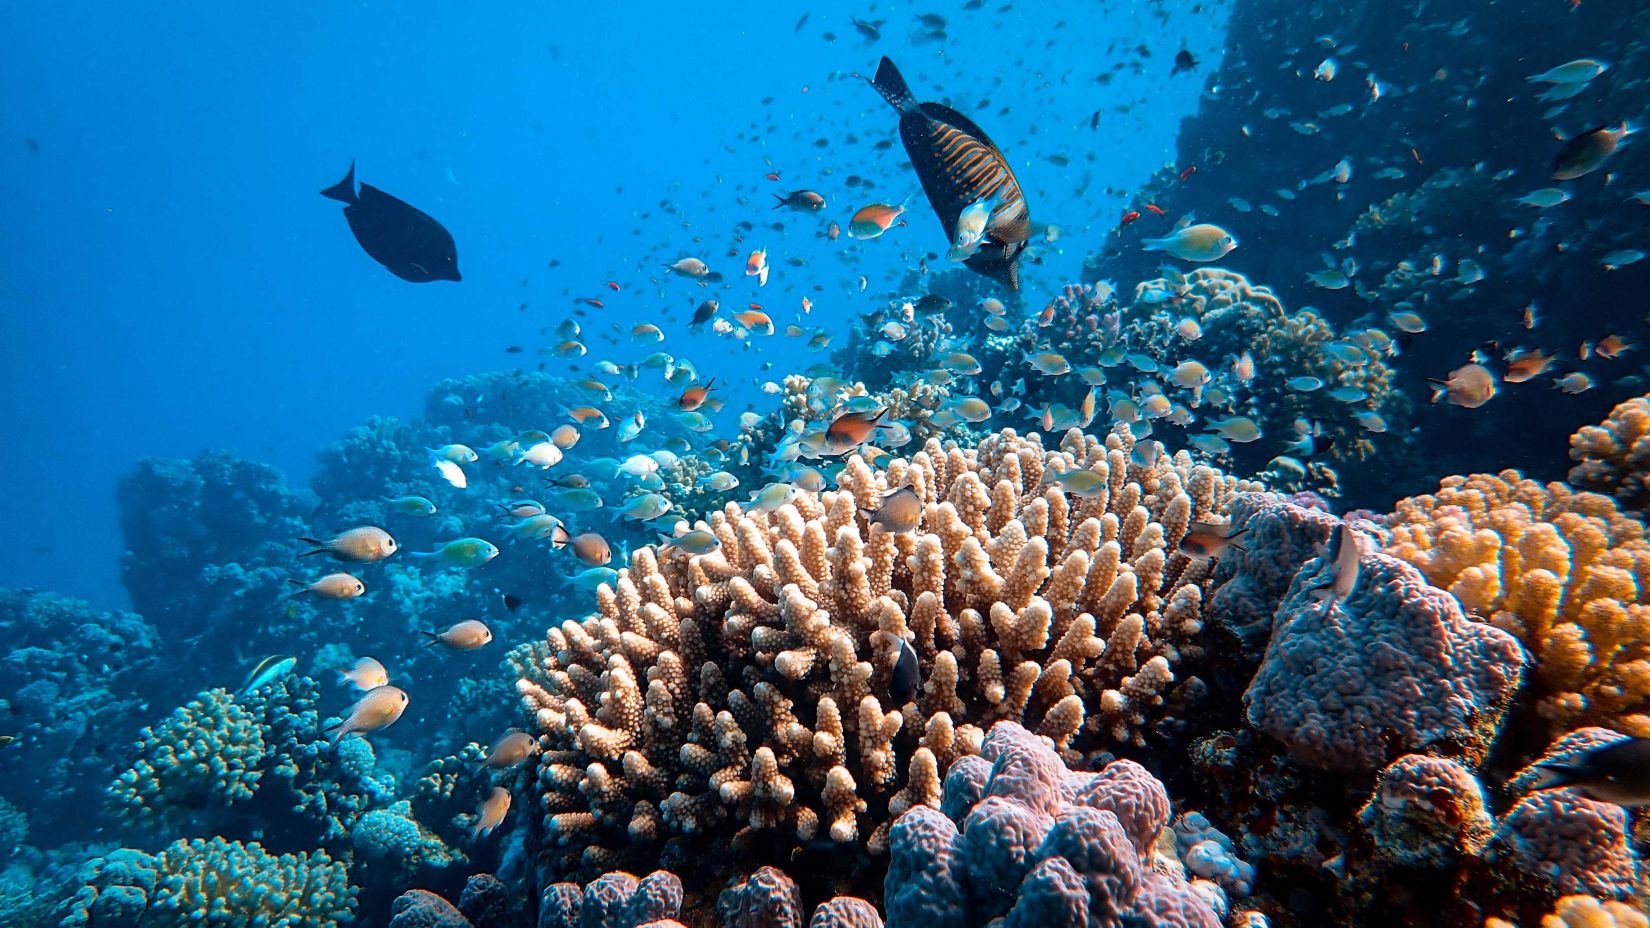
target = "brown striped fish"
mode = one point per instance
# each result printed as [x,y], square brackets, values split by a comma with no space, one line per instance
[960,166]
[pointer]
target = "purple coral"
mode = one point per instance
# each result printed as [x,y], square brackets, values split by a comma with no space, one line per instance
[1278,537]
[1041,845]
[1560,841]
[1394,666]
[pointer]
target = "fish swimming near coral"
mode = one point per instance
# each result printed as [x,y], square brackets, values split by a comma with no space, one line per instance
[899,511]
[1343,553]
[367,675]
[267,671]
[959,166]
[375,711]
[467,635]
[332,586]
[510,750]
[492,812]
[1617,772]
[907,675]
[398,235]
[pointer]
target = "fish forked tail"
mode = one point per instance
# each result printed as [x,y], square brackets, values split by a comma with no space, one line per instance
[302,587]
[1439,388]
[335,733]
[891,84]
[344,190]
[319,546]
[435,638]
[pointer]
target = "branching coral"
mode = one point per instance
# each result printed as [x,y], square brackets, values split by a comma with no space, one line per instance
[217,883]
[745,692]
[1562,571]
[210,751]
[1614,456]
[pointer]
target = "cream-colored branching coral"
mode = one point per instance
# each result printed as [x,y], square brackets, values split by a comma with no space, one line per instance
[747,693]
[1613,457]
[1561,570]
[1585,912]
[809,404]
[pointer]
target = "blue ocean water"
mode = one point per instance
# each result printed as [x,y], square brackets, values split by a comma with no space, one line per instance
[1184,578]
[177,285]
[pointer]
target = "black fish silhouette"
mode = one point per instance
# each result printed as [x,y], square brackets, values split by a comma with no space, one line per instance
[960,166]
[396,234]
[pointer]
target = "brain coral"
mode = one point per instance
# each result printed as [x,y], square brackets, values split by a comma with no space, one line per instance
[1393,666]
[1614,456]
[744,693]
[1038,845]
[1561,570]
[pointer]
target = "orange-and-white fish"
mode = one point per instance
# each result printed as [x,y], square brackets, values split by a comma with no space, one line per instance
[757,266]
[375,711]
[366,675]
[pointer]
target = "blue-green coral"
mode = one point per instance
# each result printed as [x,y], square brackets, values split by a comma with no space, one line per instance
[208,752]
[213,883]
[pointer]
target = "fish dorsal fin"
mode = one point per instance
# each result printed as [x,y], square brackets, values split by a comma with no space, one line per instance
[948,115]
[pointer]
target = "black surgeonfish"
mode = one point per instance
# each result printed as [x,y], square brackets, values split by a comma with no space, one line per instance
[396,234]
[960,166]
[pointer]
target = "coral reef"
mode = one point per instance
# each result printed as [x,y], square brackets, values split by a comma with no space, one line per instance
[75,681]
[1613,457]
[1037,844]
[679,715]
[1563,571]
[212,882]
[1394,666]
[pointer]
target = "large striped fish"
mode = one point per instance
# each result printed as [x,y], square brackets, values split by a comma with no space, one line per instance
[960,166]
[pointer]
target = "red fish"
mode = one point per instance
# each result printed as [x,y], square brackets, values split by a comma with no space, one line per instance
[592,301]
[1155,209]
[613,285]
[1188,173]
[773,175]
[1130,216]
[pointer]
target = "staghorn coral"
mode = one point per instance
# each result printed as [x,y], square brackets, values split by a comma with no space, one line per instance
[742,693]
[1393,666]
[1563,571]
[212,883]
[1040,845]
[1613,457]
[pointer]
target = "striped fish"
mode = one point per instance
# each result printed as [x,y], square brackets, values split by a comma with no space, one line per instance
[959,166]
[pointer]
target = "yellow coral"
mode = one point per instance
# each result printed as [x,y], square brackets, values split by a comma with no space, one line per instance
[1614,456]
[1563,571]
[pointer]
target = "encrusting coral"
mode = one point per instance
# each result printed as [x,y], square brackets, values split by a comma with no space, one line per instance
[1562,571]
[1394,665]
[1613,457]
[1027,840]
[745,693]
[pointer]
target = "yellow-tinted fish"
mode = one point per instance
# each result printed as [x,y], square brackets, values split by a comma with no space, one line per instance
[467,635]
[367,674]
[592,549]
[510,750]
[1470,386]
[899,511]
[361,545]
[492,812]
[332,586]
[375,711]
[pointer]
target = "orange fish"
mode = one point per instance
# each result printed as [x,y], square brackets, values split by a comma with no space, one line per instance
[592,301]
[773,175]
[757,266]
[756,320]
[871,221]
[586,413]
[1527,365]
[851,429]
[1130,216]
[1154,209]
[613,285]
[694,397]
[1611,347]
[807,306]
[1469,386]
[592,549]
